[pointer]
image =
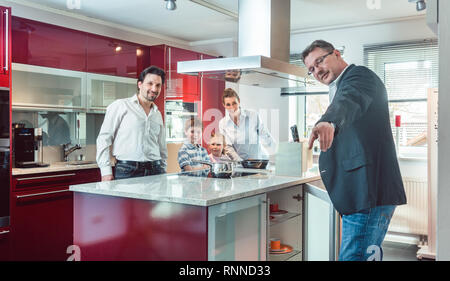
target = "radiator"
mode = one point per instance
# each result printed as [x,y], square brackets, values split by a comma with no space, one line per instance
[412,218]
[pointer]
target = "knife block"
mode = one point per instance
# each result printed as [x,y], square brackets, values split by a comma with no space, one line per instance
[293,159]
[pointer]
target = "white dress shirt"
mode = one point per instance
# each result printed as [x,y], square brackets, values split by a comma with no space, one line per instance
[249,136]
[333,86]
[134,136]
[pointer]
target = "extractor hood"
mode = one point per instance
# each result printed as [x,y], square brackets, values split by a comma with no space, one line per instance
[263,48]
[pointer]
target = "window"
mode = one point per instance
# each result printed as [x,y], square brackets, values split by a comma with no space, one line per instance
[408,71]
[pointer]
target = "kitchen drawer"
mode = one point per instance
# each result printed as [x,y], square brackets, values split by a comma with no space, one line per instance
[5,244]
[43,180]
[86,176]
[55,179]
[42,224]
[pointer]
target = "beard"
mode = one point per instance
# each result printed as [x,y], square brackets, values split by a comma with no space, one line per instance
[150,96]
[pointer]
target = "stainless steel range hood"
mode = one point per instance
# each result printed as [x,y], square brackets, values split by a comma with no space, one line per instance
[263,48]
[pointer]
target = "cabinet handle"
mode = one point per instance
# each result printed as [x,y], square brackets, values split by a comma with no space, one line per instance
[6,39]
[170,70]
[43,193]
[4,232]
[46,177]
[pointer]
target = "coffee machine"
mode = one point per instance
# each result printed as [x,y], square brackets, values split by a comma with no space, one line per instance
[27,147]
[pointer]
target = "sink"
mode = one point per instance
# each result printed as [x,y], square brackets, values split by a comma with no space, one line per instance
[79,163]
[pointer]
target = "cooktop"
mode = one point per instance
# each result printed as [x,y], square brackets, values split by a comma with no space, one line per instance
[207,174]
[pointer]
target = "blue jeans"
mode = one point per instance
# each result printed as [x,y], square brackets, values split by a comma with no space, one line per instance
[363,233]
[130,169]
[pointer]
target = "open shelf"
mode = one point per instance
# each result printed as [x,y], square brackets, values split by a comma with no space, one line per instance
[284,257]
[281,218]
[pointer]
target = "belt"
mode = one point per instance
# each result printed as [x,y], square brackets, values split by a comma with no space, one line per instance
[138,164]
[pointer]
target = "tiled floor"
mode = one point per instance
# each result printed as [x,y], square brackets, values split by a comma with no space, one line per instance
[393,251]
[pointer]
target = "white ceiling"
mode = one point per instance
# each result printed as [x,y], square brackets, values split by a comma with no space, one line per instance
[193,22]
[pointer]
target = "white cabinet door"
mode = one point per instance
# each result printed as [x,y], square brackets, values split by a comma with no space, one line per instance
[237,230]
[102,90]
[321,224]
[44,87]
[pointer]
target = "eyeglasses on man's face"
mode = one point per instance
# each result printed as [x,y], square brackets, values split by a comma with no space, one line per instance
[317,63]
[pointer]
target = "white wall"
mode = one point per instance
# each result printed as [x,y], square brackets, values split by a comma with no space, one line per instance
[355,38]
[273,109]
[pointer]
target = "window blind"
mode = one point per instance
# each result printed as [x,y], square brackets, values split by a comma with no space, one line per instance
[407,69]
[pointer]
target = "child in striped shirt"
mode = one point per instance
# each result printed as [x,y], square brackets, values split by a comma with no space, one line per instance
[192,150]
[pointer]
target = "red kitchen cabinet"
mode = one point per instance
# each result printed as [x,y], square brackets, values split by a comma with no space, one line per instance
[110,228]
[212,107]
[186,87]
[42,214]
[5,46]
[42,44]
[158,58]
[178,86]
[115,57]
[5,251]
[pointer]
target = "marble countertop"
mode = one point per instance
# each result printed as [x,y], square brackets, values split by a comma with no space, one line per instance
[54,167]
[191,190]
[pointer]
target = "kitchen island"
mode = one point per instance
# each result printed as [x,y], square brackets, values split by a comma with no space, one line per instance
[183,216]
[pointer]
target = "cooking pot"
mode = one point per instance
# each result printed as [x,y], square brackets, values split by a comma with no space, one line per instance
[218,169]
[254,163]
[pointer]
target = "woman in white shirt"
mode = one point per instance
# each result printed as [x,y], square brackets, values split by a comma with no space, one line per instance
[243,130]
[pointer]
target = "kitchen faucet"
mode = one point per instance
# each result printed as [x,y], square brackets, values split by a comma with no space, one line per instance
[68,150]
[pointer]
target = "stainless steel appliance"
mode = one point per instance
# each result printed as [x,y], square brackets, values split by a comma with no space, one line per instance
[206,173]
[28,151]
[5,169]
[177,112]
[263,49]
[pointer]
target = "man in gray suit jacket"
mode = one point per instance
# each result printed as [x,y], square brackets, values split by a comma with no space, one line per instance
[358,163]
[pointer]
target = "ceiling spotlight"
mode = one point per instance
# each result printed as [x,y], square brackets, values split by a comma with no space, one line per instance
[420,4]
[170,5]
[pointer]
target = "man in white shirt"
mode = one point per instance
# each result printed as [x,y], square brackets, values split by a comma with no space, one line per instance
[244,131]
[133,130]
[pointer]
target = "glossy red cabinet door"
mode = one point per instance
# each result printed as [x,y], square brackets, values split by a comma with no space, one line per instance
[181,86]
[42,44]
[5,251]
[5,46]
[42,224]
[157,58]
[212,106]
[42,214]
[115,57]
[110,228]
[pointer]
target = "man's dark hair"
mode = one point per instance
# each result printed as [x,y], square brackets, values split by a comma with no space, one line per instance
[317,44]
[152,70]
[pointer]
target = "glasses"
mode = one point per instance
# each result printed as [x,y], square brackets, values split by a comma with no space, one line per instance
[317,63]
